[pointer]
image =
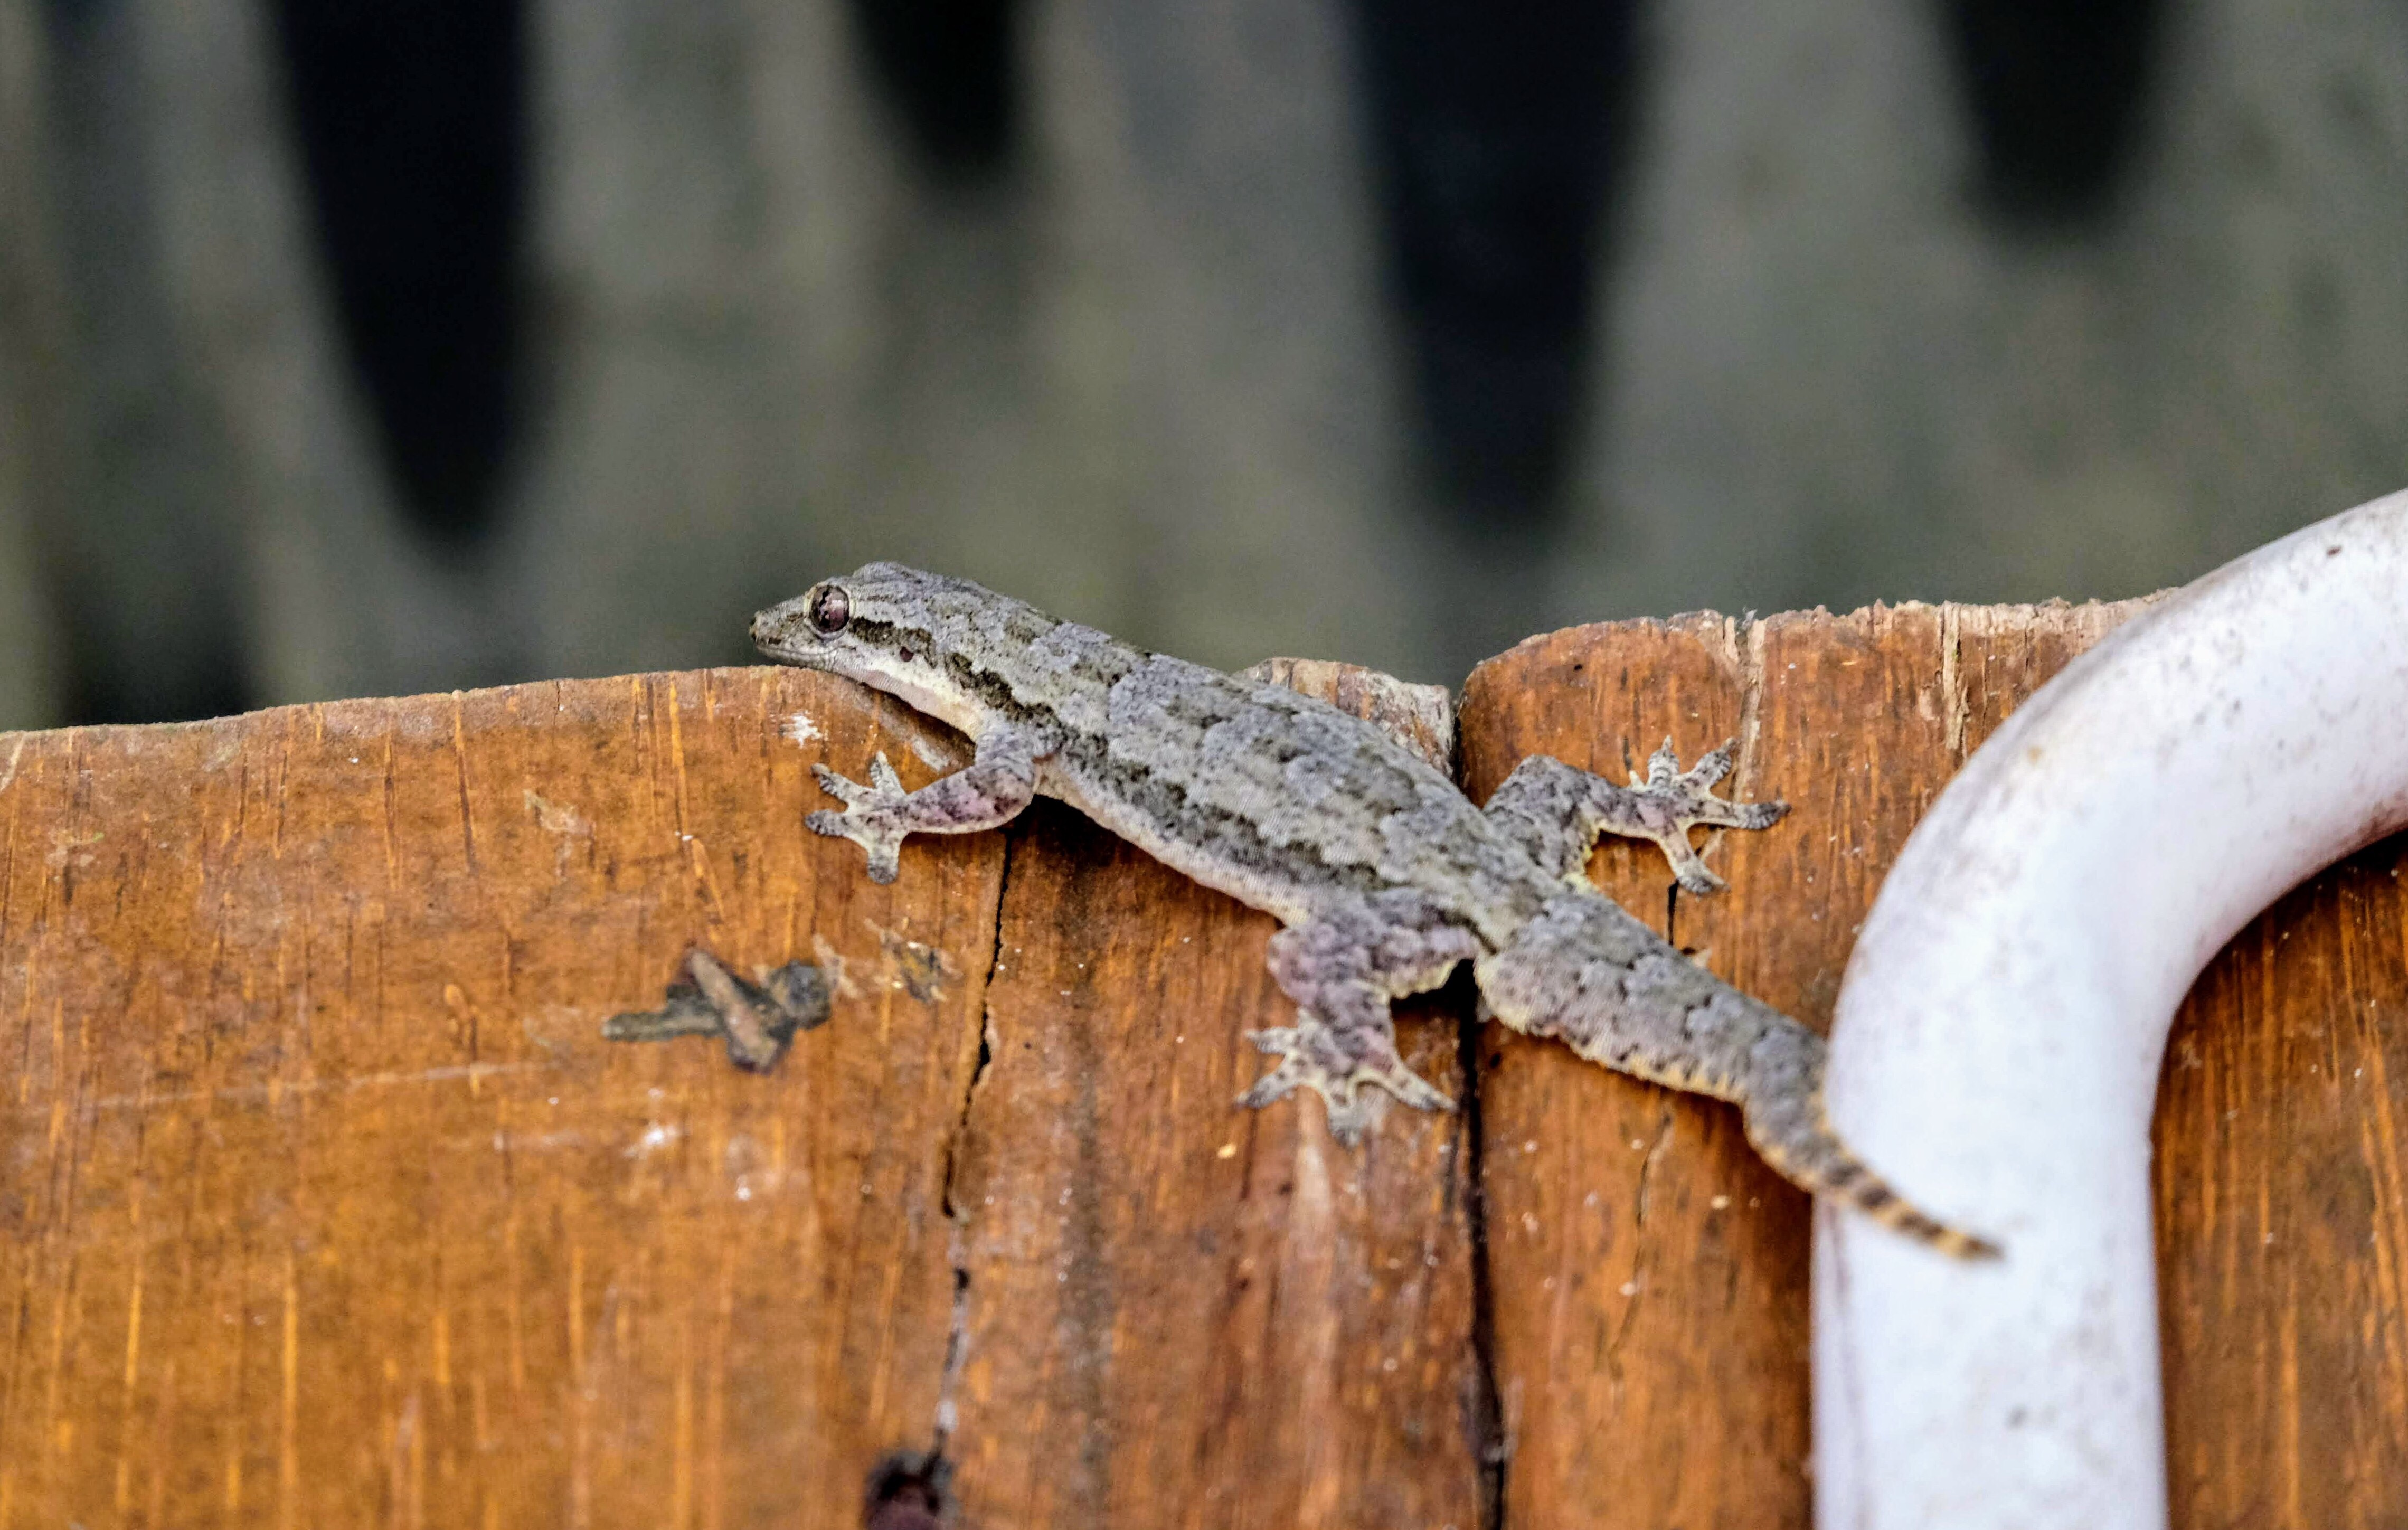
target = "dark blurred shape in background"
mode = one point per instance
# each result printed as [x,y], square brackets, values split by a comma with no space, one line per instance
[2058,93]
[1501,139]
[411,118]
[950,72]
[404,344]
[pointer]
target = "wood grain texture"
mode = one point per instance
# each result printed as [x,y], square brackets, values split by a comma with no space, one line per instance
[2282,1201]
[324,1203]
[1650,1278]
[1181,1312]
[1649,1335]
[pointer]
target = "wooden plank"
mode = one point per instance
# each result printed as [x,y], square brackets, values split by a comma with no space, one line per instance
[1650,1277]
[2282,1204]
[1181,1312]
[325,1204]
[1648,1271]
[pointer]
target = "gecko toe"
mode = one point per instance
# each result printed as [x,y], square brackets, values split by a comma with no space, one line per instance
[1663,766]
[1351,1120]
[1353,1089]
[1712,766]
[881,842]
[1694,879]
[1758,815]
[1410,1089]
[1273,1086]
[882,791]
[841,788]
[827,822]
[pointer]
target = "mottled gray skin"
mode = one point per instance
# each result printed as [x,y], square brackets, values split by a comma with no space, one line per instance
[1384,873]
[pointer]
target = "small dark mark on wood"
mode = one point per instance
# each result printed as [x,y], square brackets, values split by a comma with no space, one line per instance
[921,969]
[907,1491]
[758,1020]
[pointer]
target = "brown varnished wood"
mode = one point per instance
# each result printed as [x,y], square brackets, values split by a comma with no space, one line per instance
[323,1202]
[1183,1313]
[1648,1269]
[2282,1201]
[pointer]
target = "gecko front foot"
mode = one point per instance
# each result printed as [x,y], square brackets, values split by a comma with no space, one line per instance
[872,816]
[1671,801]
[1335,1066]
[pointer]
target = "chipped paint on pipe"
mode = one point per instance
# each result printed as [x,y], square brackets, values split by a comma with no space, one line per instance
[1999,1034]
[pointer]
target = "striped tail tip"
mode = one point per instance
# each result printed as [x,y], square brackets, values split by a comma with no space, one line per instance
[1803,1150]
[1877,1200]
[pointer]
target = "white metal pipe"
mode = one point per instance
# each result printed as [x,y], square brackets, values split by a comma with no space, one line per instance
[1999,1034]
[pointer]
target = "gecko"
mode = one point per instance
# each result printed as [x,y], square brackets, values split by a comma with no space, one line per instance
[1382,875]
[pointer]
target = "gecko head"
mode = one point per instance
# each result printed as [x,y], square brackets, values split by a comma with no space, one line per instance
[883,624]
[855,625]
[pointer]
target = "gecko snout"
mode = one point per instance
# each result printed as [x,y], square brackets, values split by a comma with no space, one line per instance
[775,629]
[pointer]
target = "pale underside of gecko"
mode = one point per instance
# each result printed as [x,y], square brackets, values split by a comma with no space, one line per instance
[1384,875]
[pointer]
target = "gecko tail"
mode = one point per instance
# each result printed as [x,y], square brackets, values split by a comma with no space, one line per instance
[1788,1128]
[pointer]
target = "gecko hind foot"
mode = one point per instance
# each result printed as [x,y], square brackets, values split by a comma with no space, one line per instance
[1351,1079]
[1671,801]
[870,816]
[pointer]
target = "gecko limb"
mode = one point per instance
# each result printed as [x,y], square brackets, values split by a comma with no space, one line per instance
[1342,969]
[1556,811]
[1588,974]
[985,794]
[758,1020]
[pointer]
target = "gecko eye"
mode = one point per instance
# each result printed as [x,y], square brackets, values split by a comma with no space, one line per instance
[830,609]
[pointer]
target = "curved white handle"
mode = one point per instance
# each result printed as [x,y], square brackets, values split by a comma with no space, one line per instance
[1999,1034]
